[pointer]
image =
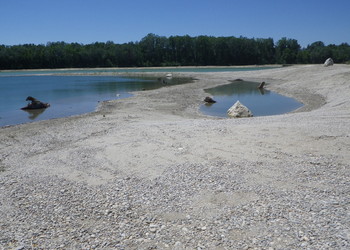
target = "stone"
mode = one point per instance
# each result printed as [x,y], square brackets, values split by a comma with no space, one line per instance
[328,62]
[35,104]
[208,99]
[153,228]
[261,86]
[238,110]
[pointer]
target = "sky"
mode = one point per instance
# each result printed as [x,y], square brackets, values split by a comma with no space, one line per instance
[89,21]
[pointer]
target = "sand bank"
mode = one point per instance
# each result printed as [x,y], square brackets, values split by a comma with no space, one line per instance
[152,171]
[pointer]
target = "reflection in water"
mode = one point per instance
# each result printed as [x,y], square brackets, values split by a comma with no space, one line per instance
[34,113]
[262,91]
[238,88]
[208,104]
[260,101]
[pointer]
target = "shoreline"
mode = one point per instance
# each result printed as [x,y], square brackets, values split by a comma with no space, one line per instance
[152,171]
[309,100]
[127,74]
[141,68]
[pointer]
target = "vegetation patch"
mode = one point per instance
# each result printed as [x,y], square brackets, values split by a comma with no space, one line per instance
[155,51]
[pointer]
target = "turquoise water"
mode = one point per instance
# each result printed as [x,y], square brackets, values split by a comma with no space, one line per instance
[261,103]
[68,95]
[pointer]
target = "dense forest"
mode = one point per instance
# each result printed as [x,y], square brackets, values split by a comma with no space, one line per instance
[154,50]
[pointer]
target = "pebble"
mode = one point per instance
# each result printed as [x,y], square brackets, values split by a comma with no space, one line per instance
[153,228]
[177,211]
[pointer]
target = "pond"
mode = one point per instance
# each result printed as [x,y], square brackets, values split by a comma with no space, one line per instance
[67,95]
[261,102]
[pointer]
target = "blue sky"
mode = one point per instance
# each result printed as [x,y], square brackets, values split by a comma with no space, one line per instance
[88,21]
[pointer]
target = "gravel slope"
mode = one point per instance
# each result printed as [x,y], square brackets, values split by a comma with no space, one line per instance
[152,172]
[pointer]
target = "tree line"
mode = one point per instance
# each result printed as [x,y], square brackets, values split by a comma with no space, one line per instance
[154,50]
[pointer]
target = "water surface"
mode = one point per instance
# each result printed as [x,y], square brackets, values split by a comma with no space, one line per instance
[260,102]
[67,95]
[78,94]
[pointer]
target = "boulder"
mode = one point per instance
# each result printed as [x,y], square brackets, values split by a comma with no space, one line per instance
[39,105]
[328,62]
[35,104]
[208,99]
[238,110]
[261,86]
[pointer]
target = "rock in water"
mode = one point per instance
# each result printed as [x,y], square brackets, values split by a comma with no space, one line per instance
[261,86]
[208,99]
[238,110]
[328,62]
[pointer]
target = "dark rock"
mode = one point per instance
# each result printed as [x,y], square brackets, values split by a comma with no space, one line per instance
[208,99]
[35,104]
[261,86]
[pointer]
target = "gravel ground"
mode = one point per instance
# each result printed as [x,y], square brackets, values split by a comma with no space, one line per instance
[150,172]
[219,206]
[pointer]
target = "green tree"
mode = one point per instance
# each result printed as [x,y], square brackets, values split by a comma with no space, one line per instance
[318,52]
[265,51]
[204,50]
[340,53]
[303,56]
[287,51]
[154,50]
